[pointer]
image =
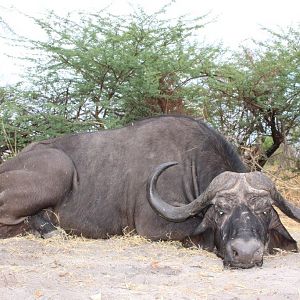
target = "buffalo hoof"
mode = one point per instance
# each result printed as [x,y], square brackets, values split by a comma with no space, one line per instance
[57,233]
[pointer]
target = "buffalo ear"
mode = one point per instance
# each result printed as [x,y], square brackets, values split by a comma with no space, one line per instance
[279,237]
[205,240]
[203,236]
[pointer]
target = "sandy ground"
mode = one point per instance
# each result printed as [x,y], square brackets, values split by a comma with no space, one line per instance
[134,268]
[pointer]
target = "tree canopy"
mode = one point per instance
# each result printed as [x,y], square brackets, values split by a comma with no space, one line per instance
[113,69]
[255,96]
[99,71]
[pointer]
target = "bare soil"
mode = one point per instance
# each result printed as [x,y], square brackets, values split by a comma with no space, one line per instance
[134,268]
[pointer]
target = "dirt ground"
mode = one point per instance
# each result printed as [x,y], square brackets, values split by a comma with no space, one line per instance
[134,268]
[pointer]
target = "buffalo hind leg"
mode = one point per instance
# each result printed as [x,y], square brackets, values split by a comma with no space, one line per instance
[31,182]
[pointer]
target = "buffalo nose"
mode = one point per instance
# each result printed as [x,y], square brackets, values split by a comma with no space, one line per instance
[244,253]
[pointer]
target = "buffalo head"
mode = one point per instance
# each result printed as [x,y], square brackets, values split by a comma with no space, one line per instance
[238,211]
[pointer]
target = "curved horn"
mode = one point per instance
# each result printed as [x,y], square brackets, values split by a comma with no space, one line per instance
[287,208]
[168,211]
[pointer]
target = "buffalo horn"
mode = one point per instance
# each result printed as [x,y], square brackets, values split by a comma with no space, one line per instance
[287,208]
[168,211]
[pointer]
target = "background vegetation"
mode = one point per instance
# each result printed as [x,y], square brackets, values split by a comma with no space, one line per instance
[99,71]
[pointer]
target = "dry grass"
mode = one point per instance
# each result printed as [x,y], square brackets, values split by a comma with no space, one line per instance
[288,184]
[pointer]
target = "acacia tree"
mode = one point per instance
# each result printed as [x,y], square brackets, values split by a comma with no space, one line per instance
[111,70]
[255,96]
[94,71]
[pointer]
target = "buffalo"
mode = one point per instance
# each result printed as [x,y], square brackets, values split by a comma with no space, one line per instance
[167,177]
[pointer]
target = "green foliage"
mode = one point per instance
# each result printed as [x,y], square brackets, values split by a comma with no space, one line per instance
[267,143]
[113,70]
[23,121]
[256,93]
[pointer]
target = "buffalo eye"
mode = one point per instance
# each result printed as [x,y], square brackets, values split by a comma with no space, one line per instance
[264,212]
[220,212]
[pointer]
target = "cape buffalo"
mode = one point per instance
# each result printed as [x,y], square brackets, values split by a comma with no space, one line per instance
[98,184]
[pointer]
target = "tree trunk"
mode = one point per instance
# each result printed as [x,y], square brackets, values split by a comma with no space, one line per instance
[265,156]
[278,138]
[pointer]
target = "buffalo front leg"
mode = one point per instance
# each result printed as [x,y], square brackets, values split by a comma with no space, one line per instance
[32,181]
[43,224]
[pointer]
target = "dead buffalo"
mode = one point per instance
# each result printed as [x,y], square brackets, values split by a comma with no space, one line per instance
[98,184]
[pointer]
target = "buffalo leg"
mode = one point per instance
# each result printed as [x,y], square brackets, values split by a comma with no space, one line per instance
[42,225]
[33,181]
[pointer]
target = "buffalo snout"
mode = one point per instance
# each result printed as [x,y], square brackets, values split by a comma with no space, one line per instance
[244,254]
